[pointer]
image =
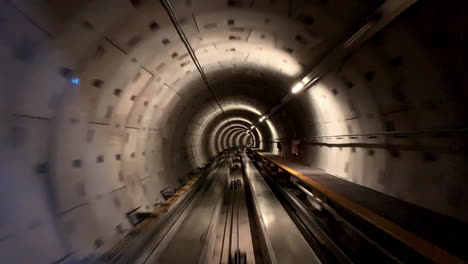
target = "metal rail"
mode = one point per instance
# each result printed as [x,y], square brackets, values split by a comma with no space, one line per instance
[284,242]
[214,227]
[347,223]
[131,245]
[388,11]
[419,245]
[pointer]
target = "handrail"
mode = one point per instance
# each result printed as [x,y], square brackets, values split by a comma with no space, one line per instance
[411,240]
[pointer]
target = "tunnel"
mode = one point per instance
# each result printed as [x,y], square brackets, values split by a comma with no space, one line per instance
[110,107]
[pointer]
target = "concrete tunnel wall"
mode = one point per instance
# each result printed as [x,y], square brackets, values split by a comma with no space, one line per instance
[76,157]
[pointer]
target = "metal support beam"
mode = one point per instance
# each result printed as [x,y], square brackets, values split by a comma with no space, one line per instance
[386,13]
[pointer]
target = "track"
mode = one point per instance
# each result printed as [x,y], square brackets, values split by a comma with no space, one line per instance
[233,243]
[230,216]
[214,228]
[242,210]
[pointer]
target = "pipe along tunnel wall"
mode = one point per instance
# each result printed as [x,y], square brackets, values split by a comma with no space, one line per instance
[102,108]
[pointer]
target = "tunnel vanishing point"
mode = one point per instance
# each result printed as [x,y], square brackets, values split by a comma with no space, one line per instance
[234,131]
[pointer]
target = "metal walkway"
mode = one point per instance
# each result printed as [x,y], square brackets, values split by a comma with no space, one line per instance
[250,207]
[230,216]
[436,236]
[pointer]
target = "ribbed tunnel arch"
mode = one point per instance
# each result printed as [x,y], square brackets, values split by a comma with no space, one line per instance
[219,130]
[103,108]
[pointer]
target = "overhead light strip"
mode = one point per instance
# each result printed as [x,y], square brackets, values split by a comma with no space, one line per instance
[388,11]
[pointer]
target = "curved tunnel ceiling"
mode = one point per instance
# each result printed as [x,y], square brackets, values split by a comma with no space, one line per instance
[101,99]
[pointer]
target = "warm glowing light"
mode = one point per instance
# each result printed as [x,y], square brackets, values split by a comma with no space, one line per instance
[296,88]
[262,118]
[252,127]
[300,85]
[305,80]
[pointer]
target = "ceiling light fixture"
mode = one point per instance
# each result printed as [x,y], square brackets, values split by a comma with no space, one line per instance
[296,88]
[305,81]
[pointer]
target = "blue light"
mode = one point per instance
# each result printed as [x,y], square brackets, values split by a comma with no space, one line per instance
[75,80]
